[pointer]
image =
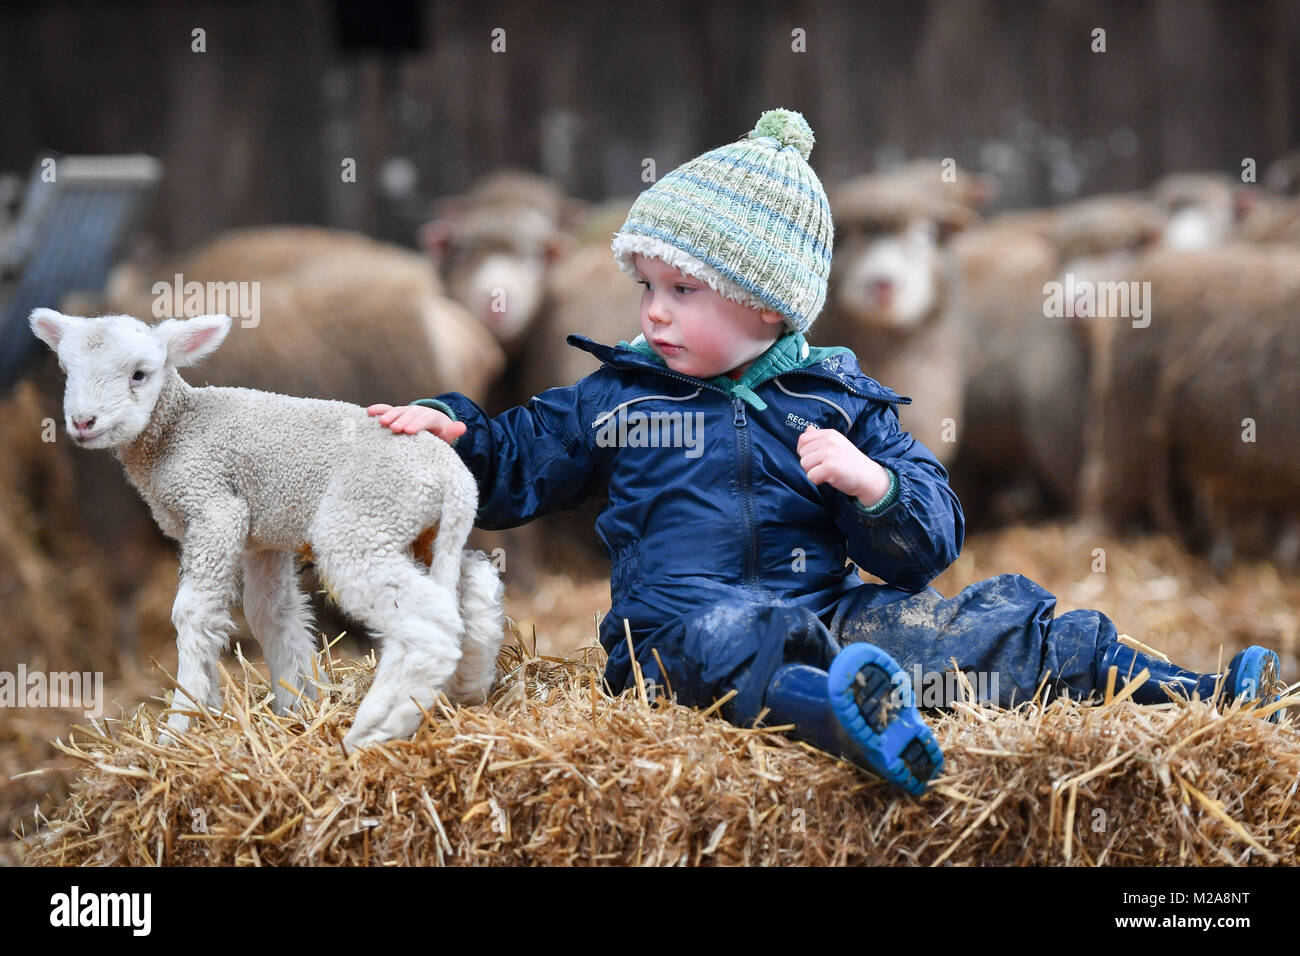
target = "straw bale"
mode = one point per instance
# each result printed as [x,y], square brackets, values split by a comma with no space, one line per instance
[553,770]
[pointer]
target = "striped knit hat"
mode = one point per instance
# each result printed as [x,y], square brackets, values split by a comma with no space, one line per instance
[749,219]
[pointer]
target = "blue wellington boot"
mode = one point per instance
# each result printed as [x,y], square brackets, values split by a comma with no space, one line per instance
[1253,674]
[863,710]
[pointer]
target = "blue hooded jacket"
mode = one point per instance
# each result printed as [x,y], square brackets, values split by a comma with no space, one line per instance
[707,501]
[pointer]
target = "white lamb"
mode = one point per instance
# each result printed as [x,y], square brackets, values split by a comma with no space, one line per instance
[245,479]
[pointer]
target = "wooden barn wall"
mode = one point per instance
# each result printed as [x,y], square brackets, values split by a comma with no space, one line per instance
[254,129]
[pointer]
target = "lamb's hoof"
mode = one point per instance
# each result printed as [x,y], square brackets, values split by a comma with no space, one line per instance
[354,741]
[175,725]
[398,724]
[469,694]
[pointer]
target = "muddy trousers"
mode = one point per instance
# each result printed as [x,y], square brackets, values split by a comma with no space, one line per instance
[1000,632]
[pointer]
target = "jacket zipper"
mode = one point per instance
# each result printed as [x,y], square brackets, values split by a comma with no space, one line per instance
[742,437]
[746,496]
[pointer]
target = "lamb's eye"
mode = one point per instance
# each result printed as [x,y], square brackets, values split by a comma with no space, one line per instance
[140,375]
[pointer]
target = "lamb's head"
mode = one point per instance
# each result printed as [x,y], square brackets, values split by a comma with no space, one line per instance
[116,367]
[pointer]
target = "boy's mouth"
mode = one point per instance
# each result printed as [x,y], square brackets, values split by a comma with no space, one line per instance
[667,348]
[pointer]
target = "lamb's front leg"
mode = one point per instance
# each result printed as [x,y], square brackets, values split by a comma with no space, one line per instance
[210,561]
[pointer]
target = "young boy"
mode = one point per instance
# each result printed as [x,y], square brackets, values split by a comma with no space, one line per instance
[744,468]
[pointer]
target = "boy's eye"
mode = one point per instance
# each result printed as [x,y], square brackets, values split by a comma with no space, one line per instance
[685,288]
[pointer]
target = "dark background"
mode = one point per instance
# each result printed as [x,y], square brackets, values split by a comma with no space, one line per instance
[254,130]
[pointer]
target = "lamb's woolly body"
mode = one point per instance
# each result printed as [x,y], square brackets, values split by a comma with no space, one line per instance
[243,478]
[281,455]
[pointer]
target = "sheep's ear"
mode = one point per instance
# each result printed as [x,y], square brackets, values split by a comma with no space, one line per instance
[49,326]
[190,341]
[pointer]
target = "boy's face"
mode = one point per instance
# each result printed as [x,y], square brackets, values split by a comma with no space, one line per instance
[696,331]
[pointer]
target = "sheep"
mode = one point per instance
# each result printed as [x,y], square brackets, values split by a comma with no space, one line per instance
[895,295]
[1202,209]
[1200,430]
[586,293]
[244,479]
[342,317]
[493,247]
[1005,262]
[1028,388]
[374,313]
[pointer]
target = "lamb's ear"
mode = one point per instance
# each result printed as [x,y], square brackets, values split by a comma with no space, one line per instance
[190,341]
[49,326]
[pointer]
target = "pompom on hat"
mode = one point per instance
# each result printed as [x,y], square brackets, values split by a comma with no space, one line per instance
[749,219]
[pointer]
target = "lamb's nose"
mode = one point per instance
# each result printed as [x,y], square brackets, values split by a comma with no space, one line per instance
[83,424]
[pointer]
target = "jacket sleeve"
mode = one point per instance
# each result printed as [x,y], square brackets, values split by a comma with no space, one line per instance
[529,460]
[911,540]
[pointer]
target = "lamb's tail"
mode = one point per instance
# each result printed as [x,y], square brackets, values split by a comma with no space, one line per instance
[456,519]
[483,610]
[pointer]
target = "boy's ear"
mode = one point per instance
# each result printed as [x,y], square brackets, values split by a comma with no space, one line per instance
[772,318]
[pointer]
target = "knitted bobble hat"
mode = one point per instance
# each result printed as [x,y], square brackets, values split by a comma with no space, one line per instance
[749,219]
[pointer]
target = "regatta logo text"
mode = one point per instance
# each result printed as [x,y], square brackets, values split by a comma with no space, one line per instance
[797,423]
[624,429]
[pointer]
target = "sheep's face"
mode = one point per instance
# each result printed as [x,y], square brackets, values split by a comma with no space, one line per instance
[888,271]
[115,368]
[496,266]
[1199,225]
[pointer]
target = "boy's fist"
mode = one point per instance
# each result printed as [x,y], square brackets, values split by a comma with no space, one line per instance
[828,456]
[410,419]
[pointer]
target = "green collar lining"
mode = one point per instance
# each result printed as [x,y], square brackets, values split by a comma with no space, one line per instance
[788,353]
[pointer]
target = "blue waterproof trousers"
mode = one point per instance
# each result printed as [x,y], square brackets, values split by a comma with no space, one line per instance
[1001,632]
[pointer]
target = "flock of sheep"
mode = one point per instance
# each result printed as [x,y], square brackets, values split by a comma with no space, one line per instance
[1175,410]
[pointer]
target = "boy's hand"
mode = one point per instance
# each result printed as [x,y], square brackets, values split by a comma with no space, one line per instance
[828,456]
[409,419]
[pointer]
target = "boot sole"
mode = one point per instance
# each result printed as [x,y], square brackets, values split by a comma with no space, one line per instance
[1259,670]
[872,698]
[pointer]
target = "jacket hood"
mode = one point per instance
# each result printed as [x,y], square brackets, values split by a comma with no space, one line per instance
[790,353]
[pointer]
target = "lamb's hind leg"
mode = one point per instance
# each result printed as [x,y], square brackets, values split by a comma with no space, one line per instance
[280,617]
[484,615]
[418,624]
